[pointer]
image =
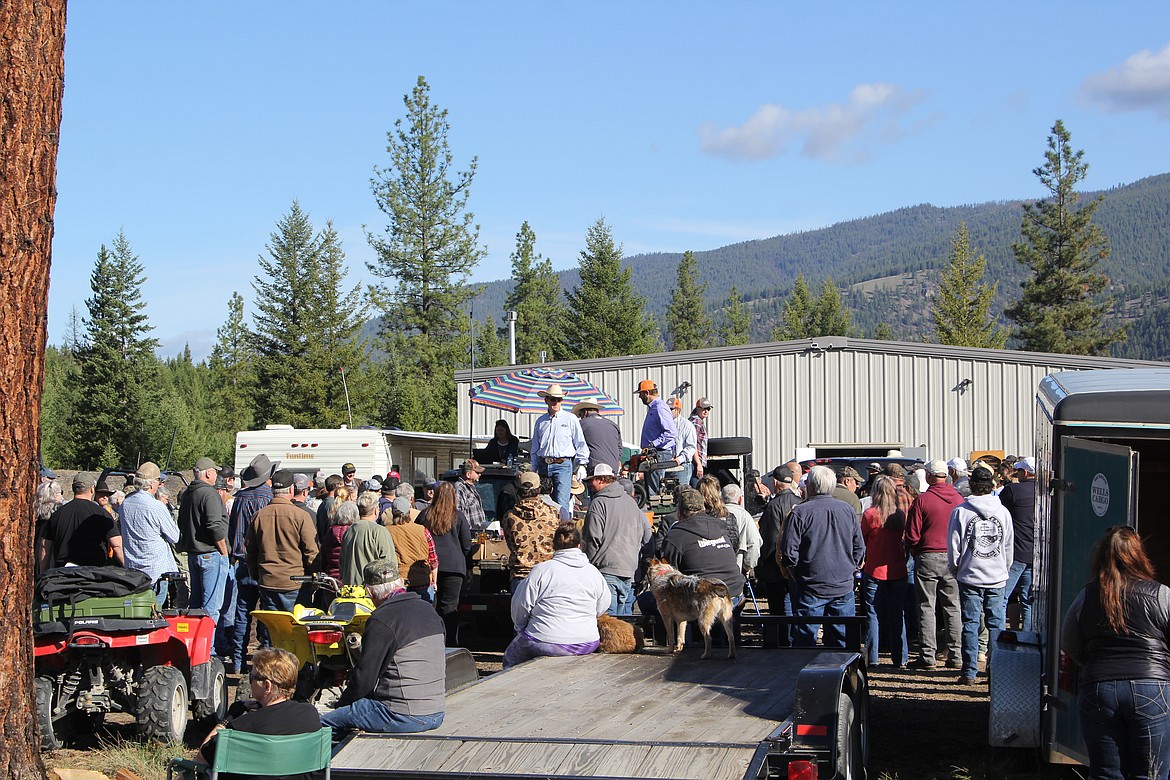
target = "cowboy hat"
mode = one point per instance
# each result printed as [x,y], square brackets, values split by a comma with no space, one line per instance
[258,471]
[553,391]
[586,403]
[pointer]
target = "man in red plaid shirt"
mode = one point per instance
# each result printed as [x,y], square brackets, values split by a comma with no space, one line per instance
[698,418]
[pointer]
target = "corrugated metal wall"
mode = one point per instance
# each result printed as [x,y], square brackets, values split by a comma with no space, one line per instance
[844,391]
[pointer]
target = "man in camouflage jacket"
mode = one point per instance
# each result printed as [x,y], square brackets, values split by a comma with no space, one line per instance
[528,528]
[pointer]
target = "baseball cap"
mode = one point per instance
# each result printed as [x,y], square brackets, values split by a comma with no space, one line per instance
[205,463]
[601,470]
[148,471]
[936,467]
[895,470]
[704,403]
[380,572]
[221,483]
[528,479]
[674,403]
[958,464]
[645,386]
[471,464]
[874,468]
[83,480]
[300,482]
[782,474]
[400,506]
[982,471]
[847,472]
[1027,465]
[282,479]
[348,469]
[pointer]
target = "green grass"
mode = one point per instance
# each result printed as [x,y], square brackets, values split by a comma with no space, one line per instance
[147,760]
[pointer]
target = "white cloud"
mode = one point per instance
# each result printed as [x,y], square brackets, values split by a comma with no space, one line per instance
[841,132]
[1141,82]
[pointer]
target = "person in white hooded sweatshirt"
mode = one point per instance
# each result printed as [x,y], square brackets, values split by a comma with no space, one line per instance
[555,608]
[979,553]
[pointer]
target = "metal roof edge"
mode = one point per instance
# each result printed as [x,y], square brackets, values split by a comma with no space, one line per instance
[820,344]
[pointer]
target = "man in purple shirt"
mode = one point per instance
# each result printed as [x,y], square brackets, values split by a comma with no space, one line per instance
[658,431]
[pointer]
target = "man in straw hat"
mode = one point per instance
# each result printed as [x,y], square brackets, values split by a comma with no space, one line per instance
[242,591]
[602,436]
[558,445]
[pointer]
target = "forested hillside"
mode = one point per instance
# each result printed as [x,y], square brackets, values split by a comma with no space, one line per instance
[890,262]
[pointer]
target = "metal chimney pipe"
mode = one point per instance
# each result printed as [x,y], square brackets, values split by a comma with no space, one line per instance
[510,318]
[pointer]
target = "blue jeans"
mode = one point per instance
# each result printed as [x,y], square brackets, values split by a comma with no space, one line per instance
[161,588]
[809,605]
[209,573]
[885,608]
[973,603]
[375,716]
[1126,725]
[247,594]
[225,629]
[278,601]
[561,475]
[1020,579]
[687,474]
[621,595]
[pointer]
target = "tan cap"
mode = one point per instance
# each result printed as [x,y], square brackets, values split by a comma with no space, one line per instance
[148,471]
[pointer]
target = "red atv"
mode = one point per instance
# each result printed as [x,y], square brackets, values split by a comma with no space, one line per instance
[101,645]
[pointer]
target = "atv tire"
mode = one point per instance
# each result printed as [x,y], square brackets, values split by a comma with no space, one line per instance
[162,704]
[51,738]
[214,708]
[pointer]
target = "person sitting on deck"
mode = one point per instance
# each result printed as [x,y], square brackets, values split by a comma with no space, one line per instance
[398,684]
[555,608]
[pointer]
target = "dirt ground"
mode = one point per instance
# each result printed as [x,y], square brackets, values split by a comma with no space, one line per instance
[923,727]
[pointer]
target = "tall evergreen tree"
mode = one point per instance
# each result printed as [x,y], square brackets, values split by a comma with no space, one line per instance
[735,327]
[883,332]
[797,317]
[1061,308]
[829,316]
[306,326]
[538,301]
[606,316]
[117,367]
[688,326]
[962,310]
[426,253]
[233,374]
[490,350]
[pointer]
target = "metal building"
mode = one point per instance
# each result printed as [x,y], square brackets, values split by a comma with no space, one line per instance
[827,392]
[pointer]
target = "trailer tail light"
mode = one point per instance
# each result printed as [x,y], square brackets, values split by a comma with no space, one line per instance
[802,770]
[1064,674]
[325,637]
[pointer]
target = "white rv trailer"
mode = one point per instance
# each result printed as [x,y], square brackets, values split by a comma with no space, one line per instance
[418,455]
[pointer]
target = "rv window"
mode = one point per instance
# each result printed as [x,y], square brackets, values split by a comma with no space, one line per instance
[424,468]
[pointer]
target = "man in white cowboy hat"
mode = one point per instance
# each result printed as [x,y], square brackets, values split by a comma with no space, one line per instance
[242,591]
[603,436]
[558,445]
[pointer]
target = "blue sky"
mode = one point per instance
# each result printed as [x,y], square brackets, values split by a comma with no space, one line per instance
[192,126]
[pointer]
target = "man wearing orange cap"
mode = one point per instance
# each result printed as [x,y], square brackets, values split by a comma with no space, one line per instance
[658,431]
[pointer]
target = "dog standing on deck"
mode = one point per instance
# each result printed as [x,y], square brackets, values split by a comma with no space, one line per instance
[682,598]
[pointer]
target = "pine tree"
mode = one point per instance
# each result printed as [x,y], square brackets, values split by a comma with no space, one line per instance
[306,326]
[883,332]
[735,327]
[490,350]
[1061,309]
[797,317]
[688,326]
[538,301]
[233,374]
[429,248]
[829,316]
[117,367]
[962,310]
[606,316]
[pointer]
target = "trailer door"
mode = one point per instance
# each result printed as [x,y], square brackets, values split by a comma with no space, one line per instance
[1095,490]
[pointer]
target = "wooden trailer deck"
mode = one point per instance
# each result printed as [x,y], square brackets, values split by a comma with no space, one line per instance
[612,716]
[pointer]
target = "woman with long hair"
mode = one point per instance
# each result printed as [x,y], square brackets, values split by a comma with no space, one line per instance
[504,447]
[884,574]
[1116,631]
[451,531]
[712,494]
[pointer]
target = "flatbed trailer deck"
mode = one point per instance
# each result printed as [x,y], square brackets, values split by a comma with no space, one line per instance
[648,715]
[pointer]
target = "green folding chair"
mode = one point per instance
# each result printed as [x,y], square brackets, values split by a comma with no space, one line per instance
[260,754]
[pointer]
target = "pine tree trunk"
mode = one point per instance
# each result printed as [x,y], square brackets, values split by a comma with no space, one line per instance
[32,75]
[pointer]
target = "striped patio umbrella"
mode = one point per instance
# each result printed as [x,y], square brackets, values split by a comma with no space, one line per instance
[517,391]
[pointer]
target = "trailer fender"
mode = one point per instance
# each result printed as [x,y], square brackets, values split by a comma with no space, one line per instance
[819,687]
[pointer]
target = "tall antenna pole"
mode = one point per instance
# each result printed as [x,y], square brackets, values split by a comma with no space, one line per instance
[470,405]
